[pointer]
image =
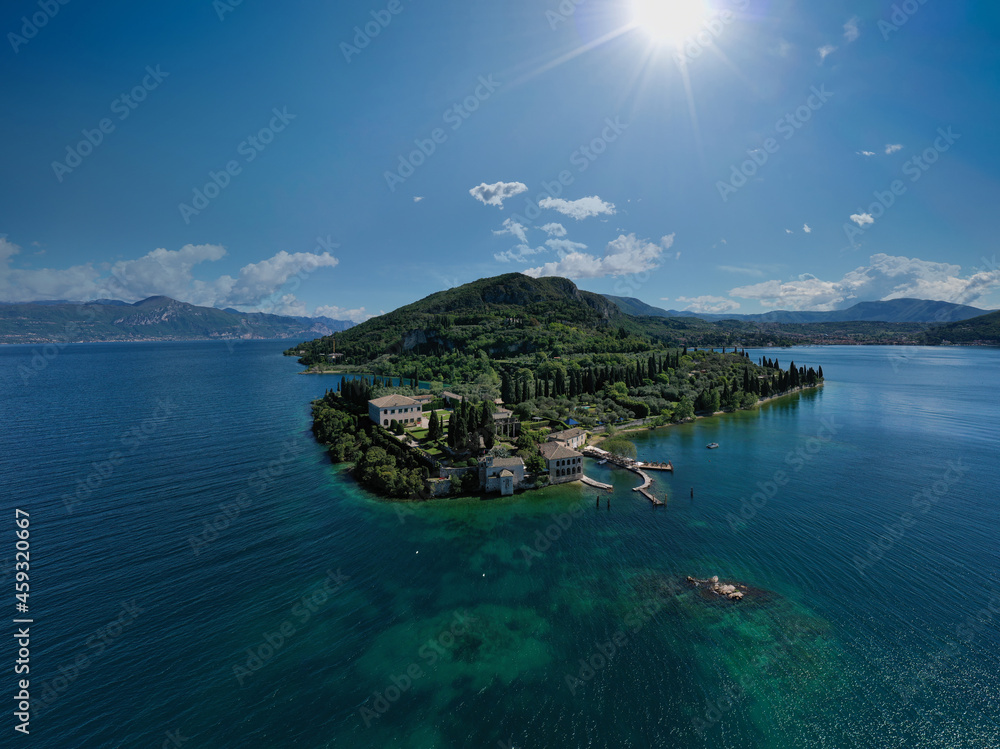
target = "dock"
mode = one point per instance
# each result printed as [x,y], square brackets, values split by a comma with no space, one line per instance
[596,484]
[643,488]
[656,502]
[637,467]
[656,466]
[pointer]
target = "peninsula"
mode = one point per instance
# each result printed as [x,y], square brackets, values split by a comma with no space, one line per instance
[534,369]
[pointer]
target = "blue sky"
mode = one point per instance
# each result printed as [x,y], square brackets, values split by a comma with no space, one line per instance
[775,155]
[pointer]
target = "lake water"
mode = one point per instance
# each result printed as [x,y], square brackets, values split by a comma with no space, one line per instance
[202,575]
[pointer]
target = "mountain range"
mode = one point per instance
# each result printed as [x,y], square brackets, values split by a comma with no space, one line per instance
[893,310]
[158,318]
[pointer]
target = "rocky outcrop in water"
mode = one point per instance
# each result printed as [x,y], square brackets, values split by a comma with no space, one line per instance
[731,591]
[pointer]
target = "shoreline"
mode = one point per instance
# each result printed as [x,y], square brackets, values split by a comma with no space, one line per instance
[597,439]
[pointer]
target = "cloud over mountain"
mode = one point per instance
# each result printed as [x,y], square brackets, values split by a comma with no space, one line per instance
[168,273]
[885,277]
[624,255]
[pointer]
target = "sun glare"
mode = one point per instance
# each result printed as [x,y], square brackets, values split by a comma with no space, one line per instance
[668,21]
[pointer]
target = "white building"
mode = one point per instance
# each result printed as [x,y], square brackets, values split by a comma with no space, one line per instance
[572,438]
[399,407]
[563,463]
[502,475]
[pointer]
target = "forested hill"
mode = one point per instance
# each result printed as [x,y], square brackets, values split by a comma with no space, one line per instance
[515,315]
[984,329]
[500,316]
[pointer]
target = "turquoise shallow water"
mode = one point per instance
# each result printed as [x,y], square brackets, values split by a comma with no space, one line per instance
[314,615]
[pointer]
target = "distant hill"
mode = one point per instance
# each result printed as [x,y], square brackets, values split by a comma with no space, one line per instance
[632,306]
[155,318]
[893,311]
[984,329]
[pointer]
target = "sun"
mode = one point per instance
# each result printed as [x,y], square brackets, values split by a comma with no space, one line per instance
[668,22]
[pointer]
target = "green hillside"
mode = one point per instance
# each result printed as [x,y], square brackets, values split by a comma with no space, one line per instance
[501,316]
[984,330]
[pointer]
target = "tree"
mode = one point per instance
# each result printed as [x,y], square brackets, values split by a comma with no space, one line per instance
[434,427]
[684,409]
[620,447]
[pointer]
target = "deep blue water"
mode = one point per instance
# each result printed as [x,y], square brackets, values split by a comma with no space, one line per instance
[220,581]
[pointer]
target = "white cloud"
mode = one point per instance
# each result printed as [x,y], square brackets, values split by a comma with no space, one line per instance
[497,193]
[851,30]
[554,230]
[865,153]
[862,218]
[163,272]
[512,227]
[738,269]
[340,313]
[715,305]
[885,277]
[825,51]
[578,209]
[789,231]
[783,49]
[893,147]
[257,281]
[807,229]
[564,246]
[624,255]
[77,283]
[417,198]
[517,254]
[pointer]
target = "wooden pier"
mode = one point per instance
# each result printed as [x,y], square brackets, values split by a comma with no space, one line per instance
[656,502]
[656,466]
